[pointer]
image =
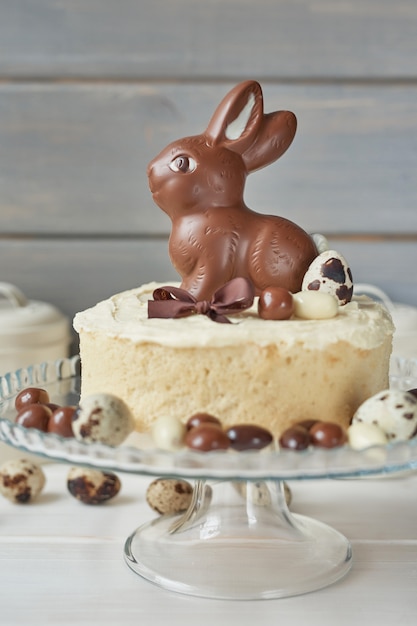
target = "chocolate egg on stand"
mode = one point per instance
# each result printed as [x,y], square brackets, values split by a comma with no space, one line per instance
[327,435]
[31,395]
[201,418]
[393,410]
[248,437]
[60,422]
[34,416]
[168,433]
[207,437]
[295,438]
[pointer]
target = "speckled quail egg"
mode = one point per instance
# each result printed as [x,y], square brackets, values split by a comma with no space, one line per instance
[330,273]
[394,411]
[21,480]
[92,486]
[169,495]
[102,417]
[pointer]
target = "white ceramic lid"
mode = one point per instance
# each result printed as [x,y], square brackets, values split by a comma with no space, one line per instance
[28,323]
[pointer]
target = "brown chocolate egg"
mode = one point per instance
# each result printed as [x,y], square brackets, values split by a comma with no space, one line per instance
[60,421]
[34,416]
[201,418]
[248,437]
[295,438]
[327,435]
[31,395]
[207,437]
[275,303]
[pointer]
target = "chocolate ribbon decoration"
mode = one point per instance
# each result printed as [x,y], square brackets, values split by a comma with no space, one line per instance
[174,302]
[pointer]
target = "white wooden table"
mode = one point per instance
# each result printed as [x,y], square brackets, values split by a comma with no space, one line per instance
[61,562]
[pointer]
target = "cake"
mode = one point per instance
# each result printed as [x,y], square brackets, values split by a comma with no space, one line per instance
[272,373]
[202,346]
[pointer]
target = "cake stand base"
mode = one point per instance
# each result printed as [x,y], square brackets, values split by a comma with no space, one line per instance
[238,541]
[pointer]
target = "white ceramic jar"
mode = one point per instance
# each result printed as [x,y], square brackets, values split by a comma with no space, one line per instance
[30,331]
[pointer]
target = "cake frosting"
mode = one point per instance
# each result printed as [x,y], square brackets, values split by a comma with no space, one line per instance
[362,323]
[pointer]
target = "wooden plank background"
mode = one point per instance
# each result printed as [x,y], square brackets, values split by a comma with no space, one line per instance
[91,90]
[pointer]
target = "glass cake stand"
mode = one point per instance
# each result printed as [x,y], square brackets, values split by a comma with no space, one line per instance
[238,539]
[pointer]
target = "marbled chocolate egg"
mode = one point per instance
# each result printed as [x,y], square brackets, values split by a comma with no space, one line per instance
[394,411]
[330,273]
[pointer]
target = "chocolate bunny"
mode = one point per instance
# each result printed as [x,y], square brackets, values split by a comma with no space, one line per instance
[199,182]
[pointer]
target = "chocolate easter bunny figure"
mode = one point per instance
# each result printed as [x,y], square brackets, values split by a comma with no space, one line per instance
[199,182]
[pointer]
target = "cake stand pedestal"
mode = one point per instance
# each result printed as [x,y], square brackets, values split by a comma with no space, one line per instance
[238,541]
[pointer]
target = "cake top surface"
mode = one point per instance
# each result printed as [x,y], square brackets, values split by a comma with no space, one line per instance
[362,322]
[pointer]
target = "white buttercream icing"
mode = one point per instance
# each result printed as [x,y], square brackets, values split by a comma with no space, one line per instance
[363,323]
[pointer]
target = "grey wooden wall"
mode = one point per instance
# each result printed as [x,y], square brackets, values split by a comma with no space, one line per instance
[91,90]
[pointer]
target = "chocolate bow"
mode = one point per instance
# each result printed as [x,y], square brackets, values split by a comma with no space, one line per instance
[235,296]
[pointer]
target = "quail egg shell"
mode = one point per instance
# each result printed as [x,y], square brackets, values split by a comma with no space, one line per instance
[330,273]
[102,417]
[92,486]
[21,480]
[169,495]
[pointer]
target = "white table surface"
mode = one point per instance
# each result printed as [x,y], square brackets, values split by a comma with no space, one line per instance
[61,562]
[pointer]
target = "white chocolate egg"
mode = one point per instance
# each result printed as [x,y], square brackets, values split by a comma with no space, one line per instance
[102,417]
[330,273]
[315,305]
[168,433]
[363,434]
[394,411]
[21,480]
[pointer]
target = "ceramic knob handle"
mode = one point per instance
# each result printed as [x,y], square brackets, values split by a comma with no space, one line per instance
[13,294]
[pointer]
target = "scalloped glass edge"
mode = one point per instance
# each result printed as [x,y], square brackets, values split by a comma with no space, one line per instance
[63,376]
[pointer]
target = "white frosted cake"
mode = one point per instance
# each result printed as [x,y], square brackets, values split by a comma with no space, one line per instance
[272,373]
[274,368]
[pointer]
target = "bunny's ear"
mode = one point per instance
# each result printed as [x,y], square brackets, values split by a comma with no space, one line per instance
[238,118]
[274,138]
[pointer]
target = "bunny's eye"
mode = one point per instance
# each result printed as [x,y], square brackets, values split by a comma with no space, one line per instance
[183,164]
